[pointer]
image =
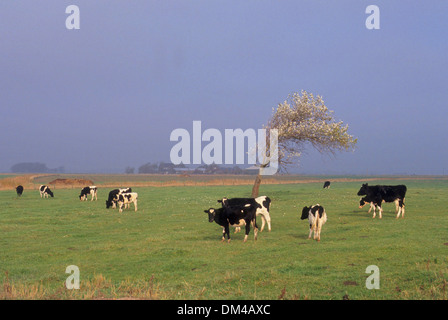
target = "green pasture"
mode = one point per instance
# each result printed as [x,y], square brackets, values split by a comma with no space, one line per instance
[170,244]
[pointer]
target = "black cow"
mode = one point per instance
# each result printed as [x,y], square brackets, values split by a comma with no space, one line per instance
[234,216]
[92,190]
[326,185]
[45,191]
[112,194]
[317,217]
[19,190]
[377,194]
[262,205]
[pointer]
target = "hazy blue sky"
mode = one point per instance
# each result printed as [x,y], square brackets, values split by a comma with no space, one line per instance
[108,95]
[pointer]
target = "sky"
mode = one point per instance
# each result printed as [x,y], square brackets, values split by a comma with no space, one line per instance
[108,95]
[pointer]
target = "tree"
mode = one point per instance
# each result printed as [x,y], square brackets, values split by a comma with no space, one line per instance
[129,170]
[300,121]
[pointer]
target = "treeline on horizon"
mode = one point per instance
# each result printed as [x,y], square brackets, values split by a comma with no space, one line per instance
[169,168]
[148,168]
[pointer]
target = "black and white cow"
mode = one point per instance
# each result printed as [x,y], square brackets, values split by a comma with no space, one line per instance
[112,194]
[236,217]
[317,217]
[367,200]
[125,199]
[45,191]
[262,205]
[376,195]
[19,190]
[92,190]
[326,185]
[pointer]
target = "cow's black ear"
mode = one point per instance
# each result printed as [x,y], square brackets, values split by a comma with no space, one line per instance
[220,201]
[205,211]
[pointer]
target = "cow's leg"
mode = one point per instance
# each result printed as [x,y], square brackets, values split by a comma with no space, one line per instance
[311,231]
[401,209]
[380,211]
[374,211]
[255,229]
[223,234]
[120,206]
[316,221]
[267,217]
[135,205]
[319,228]
[237,229]
[247,230]
[263,222]
[227,232]
[371,206]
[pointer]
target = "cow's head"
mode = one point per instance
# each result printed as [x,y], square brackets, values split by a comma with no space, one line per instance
[50,192]
[108,204]
[211,214]
[305,213]
[363,190]
[223,201]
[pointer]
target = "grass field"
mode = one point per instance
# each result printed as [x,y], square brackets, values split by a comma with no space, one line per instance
[169,250]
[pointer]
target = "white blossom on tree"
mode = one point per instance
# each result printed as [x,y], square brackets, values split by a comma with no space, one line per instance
[301,120]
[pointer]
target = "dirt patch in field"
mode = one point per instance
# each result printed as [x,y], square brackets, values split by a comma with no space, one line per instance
[71,183]
[350,283]
[25,180]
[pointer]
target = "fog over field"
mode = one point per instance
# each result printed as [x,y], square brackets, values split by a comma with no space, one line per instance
[108,95]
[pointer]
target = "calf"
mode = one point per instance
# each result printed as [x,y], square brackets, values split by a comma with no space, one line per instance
[317,217]
[92,190]
[378,194]
[261,204]
[365,200]
[126,199]
[19,190]
[112,194]
[236,217]
[45,192]
[326,185]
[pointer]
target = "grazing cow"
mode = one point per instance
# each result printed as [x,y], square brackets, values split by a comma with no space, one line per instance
[377,194]
[236,217]
[19,190]
[45,191]
[262,205]
[365,200]
[92,190]
[317,217]
[126,199]
[326,185]
[112,194]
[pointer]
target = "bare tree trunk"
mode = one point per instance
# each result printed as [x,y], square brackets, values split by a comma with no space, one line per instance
[256,187]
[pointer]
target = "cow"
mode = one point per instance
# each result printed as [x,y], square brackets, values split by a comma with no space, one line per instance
[326,185]
[236,217]
[92,190]
[382,193]
[126,199]
[367,200]
[317,217]
[112,194]
[19,190]
[262,205]
[45,191]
